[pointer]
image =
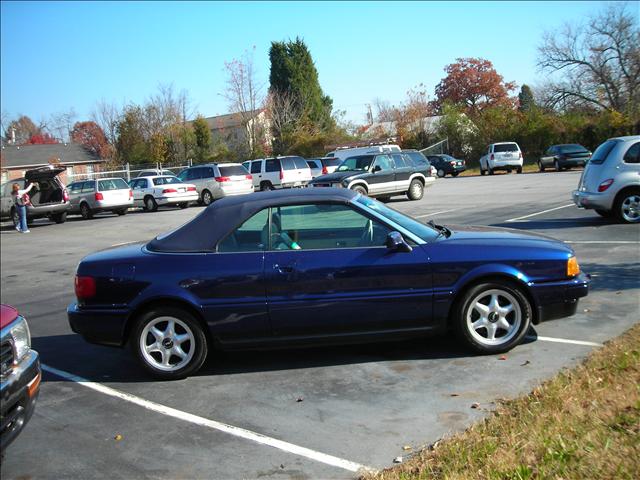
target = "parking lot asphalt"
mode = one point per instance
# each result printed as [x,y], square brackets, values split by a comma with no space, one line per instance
[332,409]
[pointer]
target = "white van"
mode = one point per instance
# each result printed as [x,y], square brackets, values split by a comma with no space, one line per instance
[279,172]
[344,153]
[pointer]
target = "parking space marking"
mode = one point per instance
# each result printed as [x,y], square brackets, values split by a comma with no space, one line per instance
[517,219]
[597,242]
[205,422]
[565,340]
[436,213]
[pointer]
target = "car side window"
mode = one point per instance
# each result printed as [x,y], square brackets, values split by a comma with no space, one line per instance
[272,165]
[633,154]
[183,175]
[251,236]
[75,187]
[256,167]
[140,184]
[209,173]
[398,159]
[384,162]
[88,187]
[323,227]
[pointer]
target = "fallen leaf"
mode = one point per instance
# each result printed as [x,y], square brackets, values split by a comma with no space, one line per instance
[118,437]
[455,394]
[397,460]
[406,447]
[502,357]
[475,405]
[586,310]
[525,363]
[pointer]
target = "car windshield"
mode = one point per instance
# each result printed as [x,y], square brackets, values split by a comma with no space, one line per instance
[357,164]
[112,184]
[572,149]
[505,147]
[166,180]
[422,230]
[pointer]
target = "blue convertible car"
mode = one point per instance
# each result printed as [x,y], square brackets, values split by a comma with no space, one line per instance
[292,267]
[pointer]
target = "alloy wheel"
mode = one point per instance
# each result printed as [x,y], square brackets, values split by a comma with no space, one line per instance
[630,208]
[493,317]
[167,344]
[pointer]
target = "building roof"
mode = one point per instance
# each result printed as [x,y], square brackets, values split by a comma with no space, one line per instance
[229,120]
[28,156]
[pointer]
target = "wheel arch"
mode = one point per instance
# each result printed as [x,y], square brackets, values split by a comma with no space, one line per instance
[418,176]
[504,276]
[158,302]
[358,183]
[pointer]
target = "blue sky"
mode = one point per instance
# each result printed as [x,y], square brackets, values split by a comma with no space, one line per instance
[57,56]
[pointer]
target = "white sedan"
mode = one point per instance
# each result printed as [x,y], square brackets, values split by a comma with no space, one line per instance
[162,190]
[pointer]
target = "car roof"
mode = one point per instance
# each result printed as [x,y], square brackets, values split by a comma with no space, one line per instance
[628,138]
[503,143]
[204,232]
[155,176]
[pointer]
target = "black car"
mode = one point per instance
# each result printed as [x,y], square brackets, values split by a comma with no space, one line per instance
[48,199]
[447,165]
[562,157]
[379,175]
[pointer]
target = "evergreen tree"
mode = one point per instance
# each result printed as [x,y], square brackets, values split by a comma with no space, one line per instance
[525,99]
[202,139]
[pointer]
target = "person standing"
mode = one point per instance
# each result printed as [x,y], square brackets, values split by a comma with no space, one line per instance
[21,200]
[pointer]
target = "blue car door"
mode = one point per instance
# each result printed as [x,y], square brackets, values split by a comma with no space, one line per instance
[327,271]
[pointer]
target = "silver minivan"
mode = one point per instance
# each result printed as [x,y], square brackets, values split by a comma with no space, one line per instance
[218,180]
[610,183]
[88,197]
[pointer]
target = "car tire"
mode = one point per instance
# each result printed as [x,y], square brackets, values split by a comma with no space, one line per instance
[86,212]
[556,165]
[491,172]
[183,205]
[122,211]
[487,309]
[360,189]
[455,174]
[169,343]
[540,166]
[60,217]
[482,172]
[207,198]
[265,186]
[519,170]
[604,213]
[627,206]
[441,173]
[416,190]
[150,204]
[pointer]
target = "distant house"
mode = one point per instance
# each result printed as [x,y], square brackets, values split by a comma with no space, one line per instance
[234,129]
[16,159]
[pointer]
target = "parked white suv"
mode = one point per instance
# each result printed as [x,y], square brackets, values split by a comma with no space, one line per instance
[214,181]
[153,192]
[279,172]
[501,156]
[610,182]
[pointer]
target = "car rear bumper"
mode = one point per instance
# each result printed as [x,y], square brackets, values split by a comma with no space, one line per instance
[229,192]
[98,326]
[19,393]
[559,299]
[572,162]
[47,210]
[505,164]
[590,200]
[175,200]
[106,205]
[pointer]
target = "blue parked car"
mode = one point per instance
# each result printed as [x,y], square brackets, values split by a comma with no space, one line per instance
[324,265]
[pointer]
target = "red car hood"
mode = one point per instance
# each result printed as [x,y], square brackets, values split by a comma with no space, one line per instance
[7,315]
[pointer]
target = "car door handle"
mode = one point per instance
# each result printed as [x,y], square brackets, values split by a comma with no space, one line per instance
[284,269]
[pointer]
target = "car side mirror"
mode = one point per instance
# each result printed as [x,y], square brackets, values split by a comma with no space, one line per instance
[396,243]
[377,168]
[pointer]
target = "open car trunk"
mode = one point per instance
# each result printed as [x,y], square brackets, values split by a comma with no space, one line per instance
[49,188]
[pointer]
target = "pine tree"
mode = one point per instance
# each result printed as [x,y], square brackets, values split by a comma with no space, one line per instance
[525,99]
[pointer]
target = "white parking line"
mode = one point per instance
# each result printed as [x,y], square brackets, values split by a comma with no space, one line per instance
[539,213]
[205,422]
[436,213]
[596,242]
[564,340]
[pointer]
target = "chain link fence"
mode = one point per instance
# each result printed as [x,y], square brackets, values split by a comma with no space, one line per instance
[127,172]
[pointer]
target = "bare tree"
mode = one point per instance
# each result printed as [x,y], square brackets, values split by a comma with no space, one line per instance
[244,96]
[60,124]
[107,115]
[597,63]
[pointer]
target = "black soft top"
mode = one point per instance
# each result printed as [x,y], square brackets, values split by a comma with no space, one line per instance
[204,232]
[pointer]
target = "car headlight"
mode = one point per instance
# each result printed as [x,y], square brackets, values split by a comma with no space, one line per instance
[21,338]
[573,268]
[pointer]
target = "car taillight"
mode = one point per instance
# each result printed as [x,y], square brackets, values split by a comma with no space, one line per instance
[452,163]
[191,189]
[492,156]
[85,287]
[606,184]
[249,177]
[324,170]
[65,195]
[520,155]
[130,194]
[169,190]
[98,196]
[281,174]
[222,179]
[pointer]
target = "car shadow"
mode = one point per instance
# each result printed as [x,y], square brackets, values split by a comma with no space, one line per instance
[613,277]
[72,354]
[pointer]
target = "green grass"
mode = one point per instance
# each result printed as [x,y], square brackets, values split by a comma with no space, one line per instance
[582,424]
